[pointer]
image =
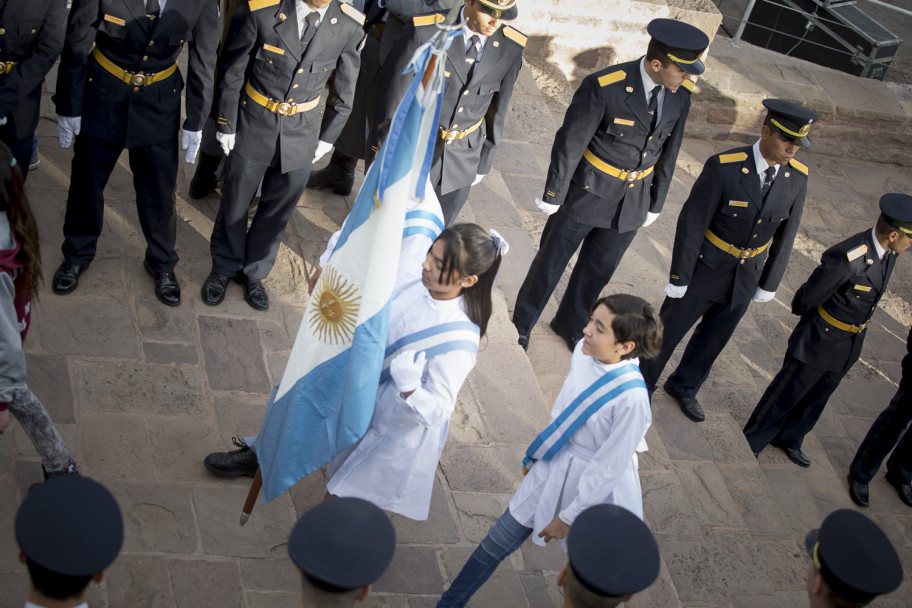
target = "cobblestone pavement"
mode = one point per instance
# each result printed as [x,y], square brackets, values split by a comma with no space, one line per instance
[142,392]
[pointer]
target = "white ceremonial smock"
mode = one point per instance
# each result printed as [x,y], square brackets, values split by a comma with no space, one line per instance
[393,465]
[599,463]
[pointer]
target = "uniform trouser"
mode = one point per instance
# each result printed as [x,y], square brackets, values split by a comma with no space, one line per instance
[717,324]
[21,148]
[791,405]
[890,428]
[505,537]
[602,250]
[154,168]
[233,247]
[31,414]
[452,202]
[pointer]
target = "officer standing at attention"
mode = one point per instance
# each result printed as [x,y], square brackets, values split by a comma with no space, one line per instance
[269,125]
[69,529]
[890,428]
[353,143]
[31,38]
[118,86]
[852,562]
[732,245]
[481,69]
[341,547]
[611,166]
[835,305]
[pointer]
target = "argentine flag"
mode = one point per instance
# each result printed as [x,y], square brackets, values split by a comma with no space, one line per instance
[326,397]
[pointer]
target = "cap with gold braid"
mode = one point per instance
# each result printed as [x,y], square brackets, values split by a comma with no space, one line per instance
[897,208]
[793,121]
[680,42]
[499,9]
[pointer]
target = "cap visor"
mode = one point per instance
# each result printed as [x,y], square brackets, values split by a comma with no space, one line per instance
[810,541]
[696,68]
[804,142]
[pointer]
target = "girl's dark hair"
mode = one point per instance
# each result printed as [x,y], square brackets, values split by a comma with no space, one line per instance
[22,222]
[635,320]
[468,250]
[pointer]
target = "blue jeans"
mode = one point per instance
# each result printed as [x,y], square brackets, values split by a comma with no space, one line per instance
[502,539]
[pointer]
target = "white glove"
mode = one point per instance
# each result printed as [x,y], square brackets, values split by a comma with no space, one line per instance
[650,218]
[226,140]
[190,141]
[548,208]
[675,291]
[407,369]
[478,178]
[2,121]
[762,295]
[68,127]
[322,149]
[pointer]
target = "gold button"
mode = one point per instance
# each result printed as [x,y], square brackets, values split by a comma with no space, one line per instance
[734,215]
[630,186]
[145,58]
[459,110]
[290,100]
[269,61]
[585,187]
[33,31]
[454,126]
[181,42]
[826,329]
[755,236]
[243,103]
[90,79]
[300,70]
[465,92]
[650,138]
[135,89]
[2,31]
[324,69]
[759,221]
[644,155]
[151,42]
[491,91]
[701,256]
[294,86]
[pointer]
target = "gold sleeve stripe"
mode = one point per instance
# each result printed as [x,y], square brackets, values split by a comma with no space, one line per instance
[515,35]
[735,157]
[799,166]
[611,78]
[352,12]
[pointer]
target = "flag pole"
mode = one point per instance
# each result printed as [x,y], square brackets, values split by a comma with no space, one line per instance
[252,496]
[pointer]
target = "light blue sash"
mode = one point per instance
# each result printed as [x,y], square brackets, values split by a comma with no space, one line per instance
[550,441]
[433,341]
[422,222]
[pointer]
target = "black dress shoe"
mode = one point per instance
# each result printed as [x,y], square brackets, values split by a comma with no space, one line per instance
[902,488]
[332,176]
[66,277]
[167,290]
[523,341]
[858,492]
[254,292]
[563,333]
[689,405]
[204,181]
[236,463]
[213,291]
[795,455]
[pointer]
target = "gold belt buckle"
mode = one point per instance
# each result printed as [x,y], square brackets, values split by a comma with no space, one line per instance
[284,108]
[745,253]
[450,136]
[632,176]
[138,79]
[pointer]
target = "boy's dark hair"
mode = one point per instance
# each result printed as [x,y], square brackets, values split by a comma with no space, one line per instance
[635,320]
[56,585]
[656,51]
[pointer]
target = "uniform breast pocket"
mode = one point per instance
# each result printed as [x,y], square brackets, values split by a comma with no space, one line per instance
[270,62]
[776,216]
[622,128]
[318,74]
[860,290]
[24,33]
[734,214]
[113,26]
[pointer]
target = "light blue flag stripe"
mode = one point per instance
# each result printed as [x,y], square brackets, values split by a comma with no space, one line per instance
[420,214]
[431,331]
[439,349]
[420,230]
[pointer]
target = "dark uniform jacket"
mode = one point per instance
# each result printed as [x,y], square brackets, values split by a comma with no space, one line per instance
[31,35]
[848,283]
[483,97]
[137,115]
[609,116]
[266,53]
[726,199]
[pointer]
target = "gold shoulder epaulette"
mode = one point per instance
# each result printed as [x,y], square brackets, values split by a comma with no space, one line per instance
[799,166]
[735,157]
[515,35]
[256,5]
[611,78]
[688,84]
[857,252]
[427,19]
[352,12]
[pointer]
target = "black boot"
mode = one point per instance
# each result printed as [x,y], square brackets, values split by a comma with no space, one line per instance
[204,181]
[339,175]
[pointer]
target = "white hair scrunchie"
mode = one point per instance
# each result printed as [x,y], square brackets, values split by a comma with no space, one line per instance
[500,243]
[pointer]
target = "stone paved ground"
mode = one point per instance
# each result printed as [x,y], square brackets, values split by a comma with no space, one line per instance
[142,393]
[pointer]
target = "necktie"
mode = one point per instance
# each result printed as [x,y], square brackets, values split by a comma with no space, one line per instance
[884,262]
[654,106]
[311,19]
[472,50]
[768,179]
[153,8]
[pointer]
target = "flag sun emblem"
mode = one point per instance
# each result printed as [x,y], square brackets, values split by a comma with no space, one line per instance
[335,308]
